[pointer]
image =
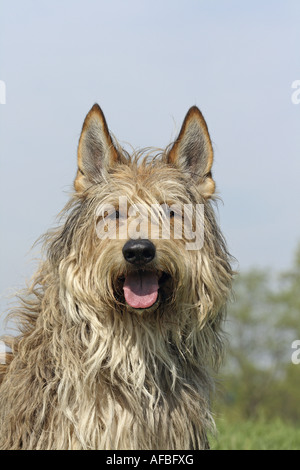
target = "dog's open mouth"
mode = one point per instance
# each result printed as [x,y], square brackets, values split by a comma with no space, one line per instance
[141,288]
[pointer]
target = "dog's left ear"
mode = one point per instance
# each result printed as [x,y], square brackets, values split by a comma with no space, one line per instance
[96,150]
[193,152]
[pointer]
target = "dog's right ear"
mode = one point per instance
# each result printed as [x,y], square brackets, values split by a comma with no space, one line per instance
[96,150]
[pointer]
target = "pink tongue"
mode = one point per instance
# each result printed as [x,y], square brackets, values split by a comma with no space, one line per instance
[141,289]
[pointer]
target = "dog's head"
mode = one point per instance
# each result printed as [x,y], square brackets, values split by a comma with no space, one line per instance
[146,238]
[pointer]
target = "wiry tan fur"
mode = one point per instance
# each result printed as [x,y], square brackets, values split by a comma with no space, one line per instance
[86,371]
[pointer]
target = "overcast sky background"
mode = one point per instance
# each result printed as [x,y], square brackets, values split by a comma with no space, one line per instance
[146,62]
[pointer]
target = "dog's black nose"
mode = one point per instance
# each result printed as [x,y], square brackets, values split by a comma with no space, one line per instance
[139,252]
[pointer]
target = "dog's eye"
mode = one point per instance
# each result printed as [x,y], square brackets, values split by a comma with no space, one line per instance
[109,215]
[172,214]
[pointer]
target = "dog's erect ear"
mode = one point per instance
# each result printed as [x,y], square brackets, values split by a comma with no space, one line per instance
[193,152]
[96,150]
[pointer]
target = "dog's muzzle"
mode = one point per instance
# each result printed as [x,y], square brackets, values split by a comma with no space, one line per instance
[141,284]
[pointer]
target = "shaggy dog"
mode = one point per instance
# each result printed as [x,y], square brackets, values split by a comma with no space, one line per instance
[121,328]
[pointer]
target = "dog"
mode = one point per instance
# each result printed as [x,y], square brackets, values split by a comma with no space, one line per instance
[121,329]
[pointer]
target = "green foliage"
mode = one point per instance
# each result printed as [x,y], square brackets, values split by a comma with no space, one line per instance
[260,386]
[255,435]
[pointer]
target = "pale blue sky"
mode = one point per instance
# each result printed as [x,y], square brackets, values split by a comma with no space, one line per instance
[146,62]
